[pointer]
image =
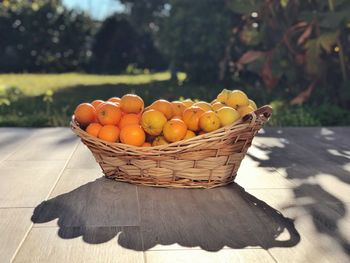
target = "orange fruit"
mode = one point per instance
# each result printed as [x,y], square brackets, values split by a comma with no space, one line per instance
[174,130]
[201,133]
[178,108]
[108,113]
[133,135]
[189,134]
[129,119]
[93,129]
[159,140]
[146,144]
[191,117]
[152,121]
[85,114]
[163,106]
[96,103]
[109,133]
[131,103]
[203,105]
[114,100]
[209,121]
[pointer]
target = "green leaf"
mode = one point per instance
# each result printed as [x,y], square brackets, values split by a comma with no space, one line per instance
[313,60]
[327,40]
[332,20]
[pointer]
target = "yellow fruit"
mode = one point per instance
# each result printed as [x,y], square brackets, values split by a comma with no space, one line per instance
[252,104]
[214,101]
[223,96]
[217,105]
[203,105]
[159,140]
[227,115]
[245,110]
[237,98]
[174,130]
[187,102]
[209,121]
[189,134]
[152,121]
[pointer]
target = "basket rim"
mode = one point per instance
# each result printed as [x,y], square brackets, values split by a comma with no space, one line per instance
[249,120]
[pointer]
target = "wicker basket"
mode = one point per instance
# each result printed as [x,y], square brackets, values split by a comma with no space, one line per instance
[204,161]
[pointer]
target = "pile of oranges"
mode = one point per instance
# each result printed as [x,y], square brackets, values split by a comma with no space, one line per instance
[126,120]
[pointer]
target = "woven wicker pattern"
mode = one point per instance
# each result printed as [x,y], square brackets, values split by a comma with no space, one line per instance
[205,161]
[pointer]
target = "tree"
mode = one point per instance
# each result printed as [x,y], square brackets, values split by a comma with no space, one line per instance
[43,36]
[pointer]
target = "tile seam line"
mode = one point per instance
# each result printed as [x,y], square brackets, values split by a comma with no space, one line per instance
[18,146]
[47,196]
[139,216]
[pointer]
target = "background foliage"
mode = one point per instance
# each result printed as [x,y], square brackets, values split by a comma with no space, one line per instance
[290,53]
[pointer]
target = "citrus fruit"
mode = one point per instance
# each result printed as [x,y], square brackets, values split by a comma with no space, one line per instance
[245,110]
[217,105]
[178,108]
[85,114]
[237,98]
[159,140]
[209,121]
[131,103]
[189,134]
[223,96]
[93,129]
[203,105]
[152,121]
[114,100]
[187,102]
[96,103]
[174,130]
[252,104]
[133,135]
[191,117]
[128,119]
[163,106]
[146,144]
[108,113]
[227,115]
[109,133]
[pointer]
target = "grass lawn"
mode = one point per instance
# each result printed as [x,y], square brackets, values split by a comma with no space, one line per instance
[29,103]
[36,84]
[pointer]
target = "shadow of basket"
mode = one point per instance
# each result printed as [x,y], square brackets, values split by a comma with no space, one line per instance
[210,219]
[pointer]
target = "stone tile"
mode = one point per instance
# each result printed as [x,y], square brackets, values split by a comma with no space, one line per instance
[11,139]
[81,198]
[47,144]
[25,184]
[83,159]
[81,244]
[225,255]
[14,224]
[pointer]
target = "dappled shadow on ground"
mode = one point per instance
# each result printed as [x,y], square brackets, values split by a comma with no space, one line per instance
[316,161]
[209,219]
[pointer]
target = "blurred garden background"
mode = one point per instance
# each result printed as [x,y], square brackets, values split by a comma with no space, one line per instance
[292,54]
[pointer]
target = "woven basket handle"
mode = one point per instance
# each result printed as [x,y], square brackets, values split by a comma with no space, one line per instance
[266,111]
